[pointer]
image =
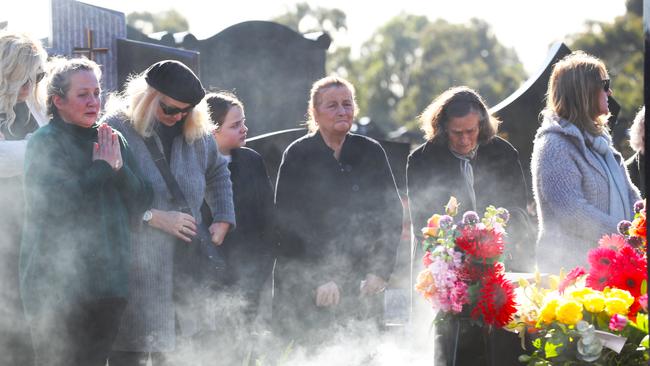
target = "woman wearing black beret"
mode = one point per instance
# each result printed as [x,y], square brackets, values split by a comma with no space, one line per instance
[164,105]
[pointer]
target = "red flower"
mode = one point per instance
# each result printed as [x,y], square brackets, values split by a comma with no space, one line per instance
[629,270]
[480,243]
[496,300]
[571,278]
[601,258]
[598,280]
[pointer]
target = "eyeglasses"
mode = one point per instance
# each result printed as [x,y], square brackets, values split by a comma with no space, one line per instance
[170,111]
[605,85]
[39,77]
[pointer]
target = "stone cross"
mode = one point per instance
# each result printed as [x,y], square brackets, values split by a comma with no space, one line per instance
[89,51]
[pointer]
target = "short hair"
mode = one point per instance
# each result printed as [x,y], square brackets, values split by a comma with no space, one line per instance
[456,102]
[573,91]
[22,58]
[139,102]
[60,74]
[314,97]
[219,104]
[637,132]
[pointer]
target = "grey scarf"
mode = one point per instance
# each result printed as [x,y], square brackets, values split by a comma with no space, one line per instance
[619,201]
[467,172]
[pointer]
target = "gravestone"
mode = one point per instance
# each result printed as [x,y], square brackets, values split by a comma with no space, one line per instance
[71,22]
[269,66]
[80,29]
[519,112]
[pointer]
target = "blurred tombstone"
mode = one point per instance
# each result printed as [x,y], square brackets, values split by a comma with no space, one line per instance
[83,30]
[520,111]
[92,30]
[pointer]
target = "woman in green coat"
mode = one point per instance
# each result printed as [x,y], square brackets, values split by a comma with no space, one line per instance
[82,192]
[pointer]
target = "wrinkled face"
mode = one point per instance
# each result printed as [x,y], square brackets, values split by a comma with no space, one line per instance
[603,106]
[232,133]
[81,104]
[463,133]
[335,110]
[169,110]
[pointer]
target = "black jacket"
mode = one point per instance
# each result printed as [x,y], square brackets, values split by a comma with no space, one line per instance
[433,175]
[249,247]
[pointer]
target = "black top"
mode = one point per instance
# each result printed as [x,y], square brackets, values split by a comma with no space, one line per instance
[24,124]
[249,247]
[433,174]
[636,168]
[342,219]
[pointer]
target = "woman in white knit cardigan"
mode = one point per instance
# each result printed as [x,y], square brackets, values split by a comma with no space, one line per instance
[581,187]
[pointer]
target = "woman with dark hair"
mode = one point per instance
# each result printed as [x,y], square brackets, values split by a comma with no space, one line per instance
[340,220]
[82,192]
[464,158]
[582,189]
[248,248]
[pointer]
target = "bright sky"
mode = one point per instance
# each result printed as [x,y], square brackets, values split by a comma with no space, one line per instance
[529,27]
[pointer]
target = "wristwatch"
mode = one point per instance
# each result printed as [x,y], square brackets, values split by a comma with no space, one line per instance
[147,216]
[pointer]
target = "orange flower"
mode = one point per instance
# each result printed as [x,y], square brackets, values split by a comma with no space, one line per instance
[638,227]
[425,284]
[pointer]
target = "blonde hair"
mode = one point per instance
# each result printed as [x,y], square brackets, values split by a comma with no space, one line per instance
[60,74]
[139,102]
[21,60]
[637,132]
[314,97]
[573,91]
[456,102]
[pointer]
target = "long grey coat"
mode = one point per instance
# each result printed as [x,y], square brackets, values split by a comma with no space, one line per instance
[201,172]
[571,191]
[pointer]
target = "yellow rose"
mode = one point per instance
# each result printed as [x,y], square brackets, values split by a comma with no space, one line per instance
[581,293]
[429,231]
[594,303]
[569,312]
[547,315]
[615,305]
[451,208]
[617,293]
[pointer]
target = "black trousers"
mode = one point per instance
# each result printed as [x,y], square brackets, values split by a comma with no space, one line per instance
[81,334]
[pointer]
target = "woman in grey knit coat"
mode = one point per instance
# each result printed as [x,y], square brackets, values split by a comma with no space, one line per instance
[581,187]
[165,102]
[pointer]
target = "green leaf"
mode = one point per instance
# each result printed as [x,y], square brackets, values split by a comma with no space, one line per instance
[641,322]
[537,343]
[550,349]
[644,342]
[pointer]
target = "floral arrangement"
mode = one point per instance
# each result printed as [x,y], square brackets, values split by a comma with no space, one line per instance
[595,316]
[463,273]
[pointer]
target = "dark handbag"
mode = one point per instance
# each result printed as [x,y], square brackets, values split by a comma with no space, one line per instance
[199,265]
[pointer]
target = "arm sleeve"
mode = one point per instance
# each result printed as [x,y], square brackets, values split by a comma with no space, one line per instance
[50,180]
[12,157]
[218,186]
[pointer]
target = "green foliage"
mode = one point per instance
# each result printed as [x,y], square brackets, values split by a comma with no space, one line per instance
[620,46]
[410,60]
[171,21]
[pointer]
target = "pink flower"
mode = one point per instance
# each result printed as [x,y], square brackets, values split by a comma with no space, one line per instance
[617,322]
[571,278]
[614,241]
[643,301]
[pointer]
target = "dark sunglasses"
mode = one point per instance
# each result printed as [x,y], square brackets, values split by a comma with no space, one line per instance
[605,85]
[39,77]
[170,111]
